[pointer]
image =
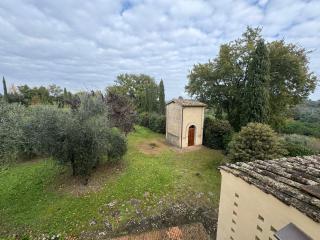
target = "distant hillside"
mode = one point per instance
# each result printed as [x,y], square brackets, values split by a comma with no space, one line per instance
[309,111]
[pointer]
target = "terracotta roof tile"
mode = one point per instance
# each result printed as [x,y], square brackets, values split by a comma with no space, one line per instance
[286,179]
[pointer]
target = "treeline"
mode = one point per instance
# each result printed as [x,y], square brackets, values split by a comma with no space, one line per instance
[308,111]
[27,96]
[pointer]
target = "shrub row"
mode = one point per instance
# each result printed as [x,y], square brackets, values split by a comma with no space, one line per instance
[154,121]
[217,133]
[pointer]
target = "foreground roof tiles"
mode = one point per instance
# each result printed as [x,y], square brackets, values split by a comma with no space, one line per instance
[187,102]
[295,181]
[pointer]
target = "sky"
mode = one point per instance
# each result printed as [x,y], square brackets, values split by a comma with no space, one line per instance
[84,45]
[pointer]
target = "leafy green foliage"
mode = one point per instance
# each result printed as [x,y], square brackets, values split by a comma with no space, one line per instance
[118,146]
[256,141]
[301,128]
[150,99]
[153,121]
[121,111]
[5,91]
[256,91]
[299,145]
[27,96]
[221,82]
[90,105]
[216,133]
[162,101]
[308,111]
[81,136]
[157,123]
[140,88]
[12,119]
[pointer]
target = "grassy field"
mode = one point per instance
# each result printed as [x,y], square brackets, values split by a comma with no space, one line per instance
[40,196]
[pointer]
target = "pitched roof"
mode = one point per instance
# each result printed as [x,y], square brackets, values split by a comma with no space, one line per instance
[288,179]
[187,102]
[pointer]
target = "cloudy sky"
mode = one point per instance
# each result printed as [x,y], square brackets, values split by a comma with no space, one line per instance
[83,45]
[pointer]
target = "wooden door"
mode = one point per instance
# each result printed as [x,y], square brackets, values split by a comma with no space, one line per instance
[191,136]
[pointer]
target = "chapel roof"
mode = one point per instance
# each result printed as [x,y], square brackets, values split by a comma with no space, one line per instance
[187,102]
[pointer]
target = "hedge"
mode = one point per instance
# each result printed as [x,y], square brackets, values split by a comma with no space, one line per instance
[217,133]
[153,121]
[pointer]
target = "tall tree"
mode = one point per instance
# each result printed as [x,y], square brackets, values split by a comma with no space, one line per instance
[5,91]
[162,102]
[121,111]
[134,86]
[256,89]
[220,83]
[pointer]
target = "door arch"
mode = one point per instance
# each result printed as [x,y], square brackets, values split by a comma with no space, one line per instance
[191,135]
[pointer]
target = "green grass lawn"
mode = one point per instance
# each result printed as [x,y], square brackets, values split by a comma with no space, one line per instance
[30,201]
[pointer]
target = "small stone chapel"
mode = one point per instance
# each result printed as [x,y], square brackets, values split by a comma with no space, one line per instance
[184,122]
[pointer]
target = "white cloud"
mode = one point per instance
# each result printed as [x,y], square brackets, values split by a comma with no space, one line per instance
[85,44]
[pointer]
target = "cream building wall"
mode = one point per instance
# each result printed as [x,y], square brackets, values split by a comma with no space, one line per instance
[192,116]
[178,121]
[246,212]
[173,123]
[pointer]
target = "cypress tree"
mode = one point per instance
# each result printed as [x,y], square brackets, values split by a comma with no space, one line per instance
[256,92]
[147,99]
[162,103]
[5,92]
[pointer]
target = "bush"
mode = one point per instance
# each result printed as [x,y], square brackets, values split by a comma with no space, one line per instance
[118,146]
[256,141]
[12,118]
[143,119]
[121,111]
[299,145]
[301,128]
[157,123]
[217,133]
[45,130]
[154,121]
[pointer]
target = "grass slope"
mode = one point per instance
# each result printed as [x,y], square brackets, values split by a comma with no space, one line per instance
[30,202]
